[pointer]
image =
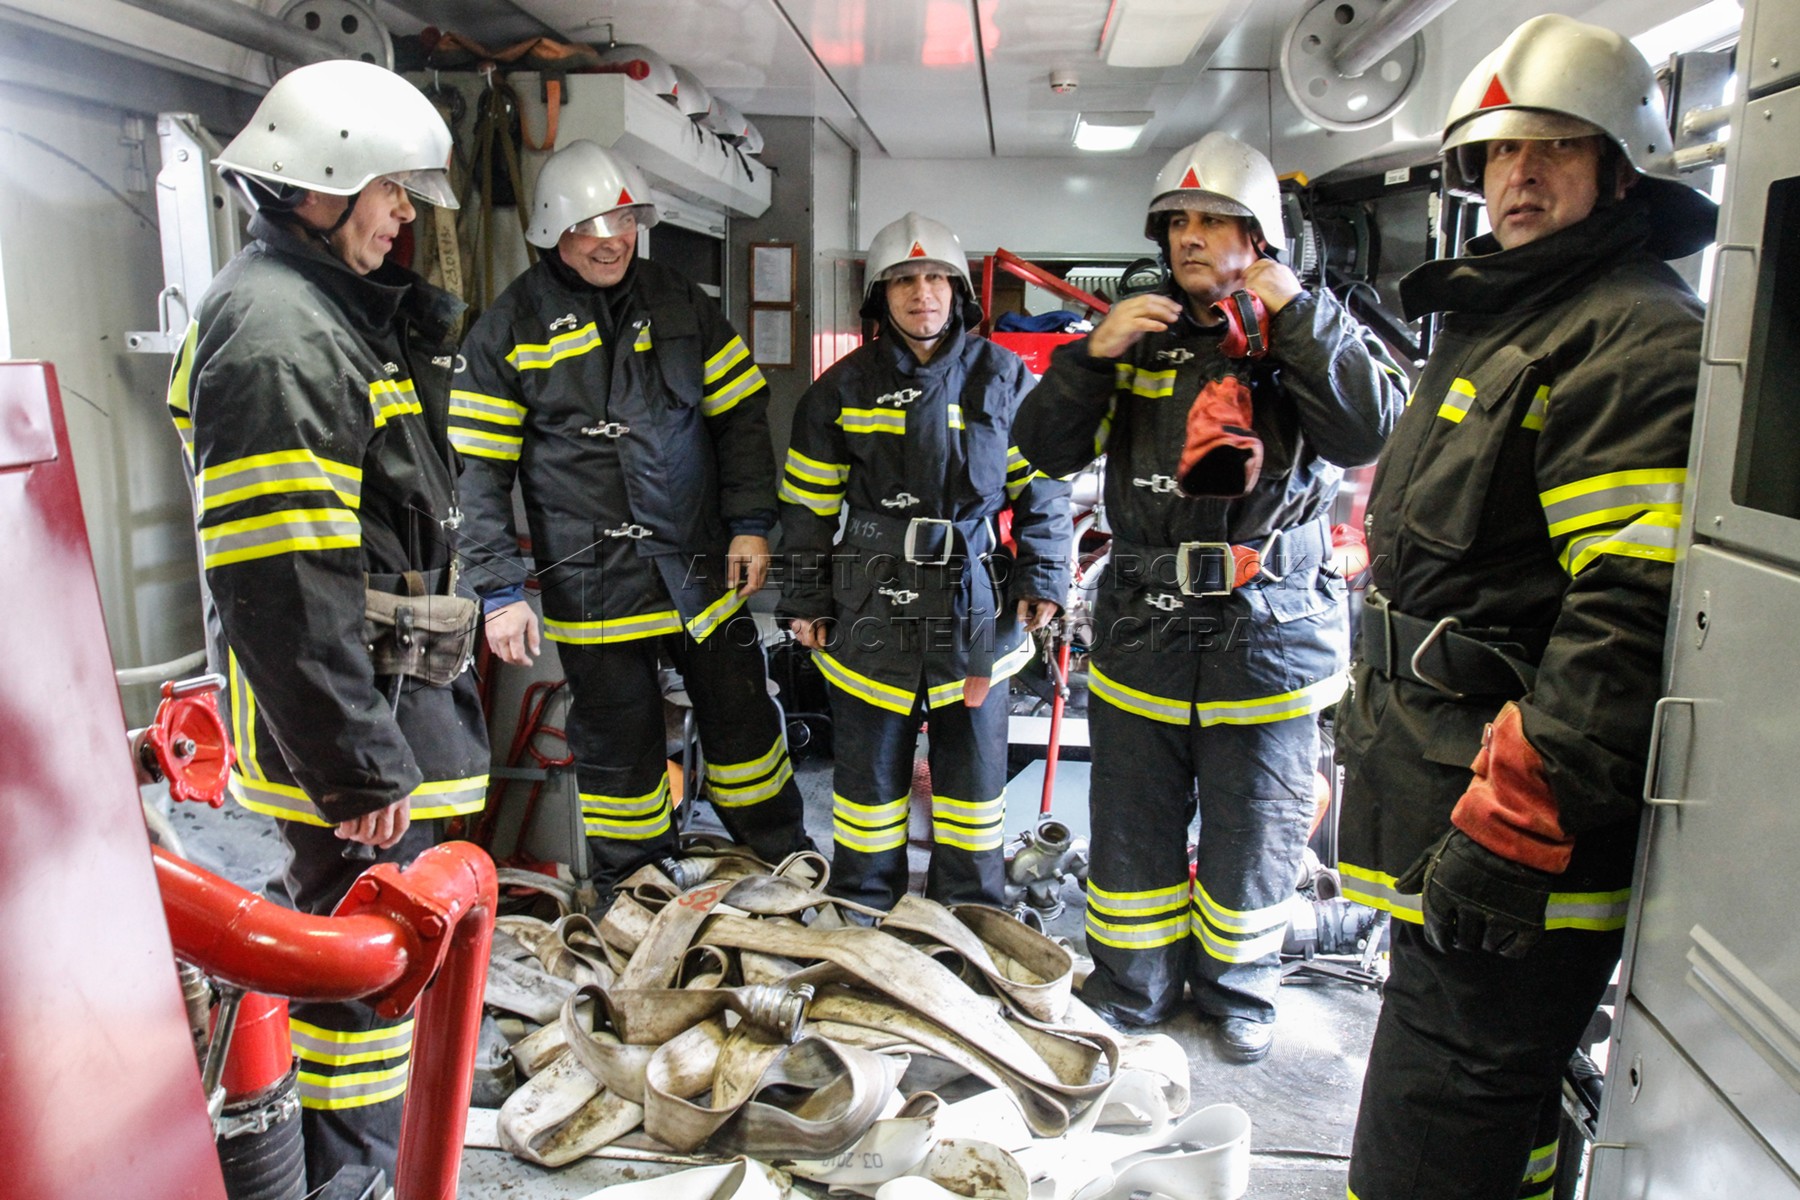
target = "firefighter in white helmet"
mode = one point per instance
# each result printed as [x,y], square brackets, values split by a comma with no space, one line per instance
[921,609]
[310,393]
[1227,404]
[1523,530]
[616,394]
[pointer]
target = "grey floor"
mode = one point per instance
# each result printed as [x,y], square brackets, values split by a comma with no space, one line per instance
[1301,1099]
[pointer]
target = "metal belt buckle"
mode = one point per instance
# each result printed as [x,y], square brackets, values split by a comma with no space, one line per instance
[910,547]
[1437,631]
[1184,569]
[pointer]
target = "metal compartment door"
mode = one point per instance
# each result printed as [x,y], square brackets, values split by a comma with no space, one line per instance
[1717,958]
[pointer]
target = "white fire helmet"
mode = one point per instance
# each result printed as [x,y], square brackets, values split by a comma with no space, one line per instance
[909,246]
[336,127]
[691,96]
[1219,174]
[1556,77]
[587,189]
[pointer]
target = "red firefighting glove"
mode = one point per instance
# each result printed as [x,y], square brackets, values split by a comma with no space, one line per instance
[1475,900]
[1221,457]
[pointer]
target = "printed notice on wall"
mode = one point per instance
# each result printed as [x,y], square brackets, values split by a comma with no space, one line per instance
[772,336]
[771,274]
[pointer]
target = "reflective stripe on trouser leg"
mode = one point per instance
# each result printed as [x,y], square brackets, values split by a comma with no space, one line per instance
[1256,801]
[968,801]
[1139,807]
[1468,1051]
[616,732]
[353,1063]
[871,784]
[742,739]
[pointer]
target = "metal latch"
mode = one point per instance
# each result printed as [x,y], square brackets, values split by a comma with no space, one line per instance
[612,429]
[632,530]
[1159,484]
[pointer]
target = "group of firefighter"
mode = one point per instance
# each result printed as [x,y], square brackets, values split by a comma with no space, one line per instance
[354,472]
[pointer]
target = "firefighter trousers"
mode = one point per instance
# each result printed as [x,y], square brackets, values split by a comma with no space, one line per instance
[1149,931]
[872,788]
[353,1063]
[1465,1075]
[617,733]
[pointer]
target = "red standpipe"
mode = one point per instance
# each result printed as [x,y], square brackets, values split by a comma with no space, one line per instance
[421,934]
[1054,750]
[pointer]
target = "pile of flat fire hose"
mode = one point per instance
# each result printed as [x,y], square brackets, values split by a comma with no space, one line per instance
[746,1014]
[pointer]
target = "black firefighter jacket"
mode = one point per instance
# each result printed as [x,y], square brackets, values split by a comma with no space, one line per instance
[312,402]
[1532,492]
[1325,398]
[900,446]
[636,424]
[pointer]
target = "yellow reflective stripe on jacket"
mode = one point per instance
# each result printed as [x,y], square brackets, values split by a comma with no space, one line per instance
[355,1090]
[1019,472]
[729,356]
[390,398]
[286,532]
[1612,498]
[276,473]
[1143,704]
[243,718]
[483,444]
[869,691]
[642,342]
[968,825]
[1598,912]
[630,818]
[1153,385]
[826,504]
[1005,667]
[284,801]
[1652,536]
[340,1048]
[940,694]
[477,406]
[528,356]
[1539,409]
[811,470]
[614,629]
[725,397]
[1541,1166]
[1457,401]
[180,373]
[1137,904]
[870,828]
[715,615]
[872,420]
[1234,936]
[953,416]
[1146,936]
[1268,709]
[1103,433]
[1376,890]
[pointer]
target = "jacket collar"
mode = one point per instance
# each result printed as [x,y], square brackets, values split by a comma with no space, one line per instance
[1491,280]
[900,355]
[372,302]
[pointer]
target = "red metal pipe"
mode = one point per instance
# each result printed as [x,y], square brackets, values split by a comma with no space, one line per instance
[423,933]
[259,945]
[1054,750]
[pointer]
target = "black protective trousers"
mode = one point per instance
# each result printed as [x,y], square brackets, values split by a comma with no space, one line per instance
[1465,1074]
[1149,933]
[353,1063]
[617,732]
[872,786]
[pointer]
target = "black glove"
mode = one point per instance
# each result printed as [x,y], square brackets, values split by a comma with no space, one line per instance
[1473,899]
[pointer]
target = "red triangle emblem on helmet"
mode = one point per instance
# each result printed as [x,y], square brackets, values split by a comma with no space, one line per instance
[1190,180]
[1496,94]
[624,198]
[917,251]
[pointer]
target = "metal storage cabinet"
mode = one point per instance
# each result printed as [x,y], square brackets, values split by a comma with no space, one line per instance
[1703,1090]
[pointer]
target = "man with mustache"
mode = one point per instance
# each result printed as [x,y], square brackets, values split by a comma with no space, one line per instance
[1523,526]
[311,394]
[923,613]
[628,411]
[1227,403]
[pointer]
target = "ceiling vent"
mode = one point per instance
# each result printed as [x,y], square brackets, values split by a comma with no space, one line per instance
[1156,33]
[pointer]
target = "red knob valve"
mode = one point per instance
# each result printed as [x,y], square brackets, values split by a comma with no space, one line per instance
[188,740]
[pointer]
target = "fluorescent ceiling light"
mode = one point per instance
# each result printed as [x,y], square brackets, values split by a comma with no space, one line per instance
[1156,33]
[1695,29]
[1109,130]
